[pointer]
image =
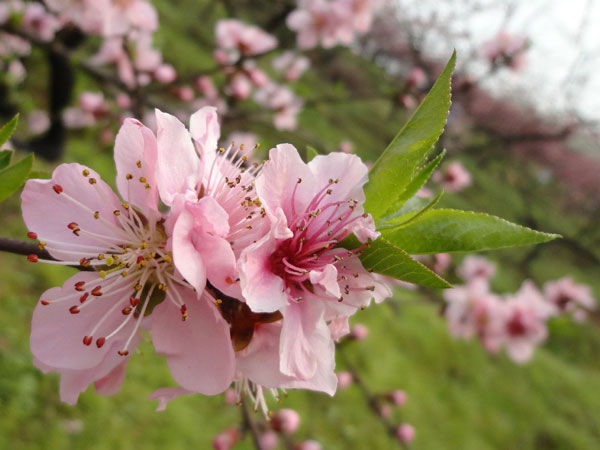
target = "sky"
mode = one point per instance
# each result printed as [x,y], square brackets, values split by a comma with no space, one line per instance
[562,74]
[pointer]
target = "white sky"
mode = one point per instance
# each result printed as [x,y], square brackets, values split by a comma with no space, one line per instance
[563,68]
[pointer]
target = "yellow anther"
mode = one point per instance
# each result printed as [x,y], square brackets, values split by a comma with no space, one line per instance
[125,205]
[143,180]
[116,212]
[124,273]
[168,259]
[146,186]
[218,301]
[92,181]
[138,287]
[100,256]
[139,164]
[42,245]
[110,260]
[144,245]
[221,150]
[128,176]
[96,214]
[102,274]
[85,172]
[241,146]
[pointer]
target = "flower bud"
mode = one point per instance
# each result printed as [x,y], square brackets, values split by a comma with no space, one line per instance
[345,379]
[285,420]
[405,433]
[226,439]
[359,332]
[397,397]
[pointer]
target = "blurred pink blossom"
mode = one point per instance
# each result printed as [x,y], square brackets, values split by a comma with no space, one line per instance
[570,297]
[405,433]
[345,379]
[291,64]
[454,177]
[476,267]
[285,421]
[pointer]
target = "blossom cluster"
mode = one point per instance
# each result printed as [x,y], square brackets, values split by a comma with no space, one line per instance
[506,48]
[331,22]
[241,279]
[517,322]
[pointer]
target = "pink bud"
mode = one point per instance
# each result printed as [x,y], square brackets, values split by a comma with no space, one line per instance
[285,420]
[346,146]
[165,73]
[230,397]
[308,445]
[123,100]
[185,93]
[405,433]
[345,379]
[385,411]
[226,439]
[221,57]
[359,332]
[268,440]
[397,397]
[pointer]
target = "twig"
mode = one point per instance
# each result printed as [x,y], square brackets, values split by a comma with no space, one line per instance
[29,248]
[249,425]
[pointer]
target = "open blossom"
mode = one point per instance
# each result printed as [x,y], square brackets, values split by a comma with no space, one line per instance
[571,297]
[86,329]
[92,107]
[473,311]
[291,65]
[525,322]
[476,267]
[236,39]
[283,102]
[297,268]
[454,177]
[39,21]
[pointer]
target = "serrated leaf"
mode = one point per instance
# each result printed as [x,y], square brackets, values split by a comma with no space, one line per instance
[5,157]
[449,230]
[413,187]
[383,257]
[7,130]
[13,177]
[394,170]
[311,152]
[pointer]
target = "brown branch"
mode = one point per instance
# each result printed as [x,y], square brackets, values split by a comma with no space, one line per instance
[249,425]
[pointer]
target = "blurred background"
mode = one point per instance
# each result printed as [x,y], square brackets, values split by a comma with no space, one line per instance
[524,124]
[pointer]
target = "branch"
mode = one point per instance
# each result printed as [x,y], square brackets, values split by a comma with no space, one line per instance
[249,425]
[29,248]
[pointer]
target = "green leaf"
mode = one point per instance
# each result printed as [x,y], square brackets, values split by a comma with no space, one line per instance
[383,257]
[393,172]
[13,177]
[7,130]
[413,187]
[39,174]
[311,152]
[5,157]
[449,230]
[405,219]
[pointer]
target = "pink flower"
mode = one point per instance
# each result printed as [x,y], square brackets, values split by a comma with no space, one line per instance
[268,440]
[405,433]
[454,177]
[308,445]
[476,267]
[285,421]
[346,146]
[319,22]
[89,326]
[525,322]
[120,17]
[39,21]
[296,268]
[281,100]
[569,296]
[474,311]
[38,121]
[239,39]
[506,48]
[291,64]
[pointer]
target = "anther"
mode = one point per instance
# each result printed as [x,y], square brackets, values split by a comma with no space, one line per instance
[299,180]
[370,288]
[143,179]
[139,164]
[100,342]
[139,260]
[44,302]
[128,176]
[87,340]
[116,212]
[125,205]
[83,298]
[85,172]
[57,188]
[96,214]
[79,286]
[32,258]
[97,291]
[92,181]
[42,245]
[74,309]
[32,235]
[137,287]
[184,313]
[134,301]
[126,311]
[123,352]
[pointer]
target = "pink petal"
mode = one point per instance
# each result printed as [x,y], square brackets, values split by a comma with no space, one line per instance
[199,350]
[179,168]
[328,279]
[205,129]
[111,383]
[57,335]
[135,155]
[40,201]
[263,290]
[280,174]
[165,395]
